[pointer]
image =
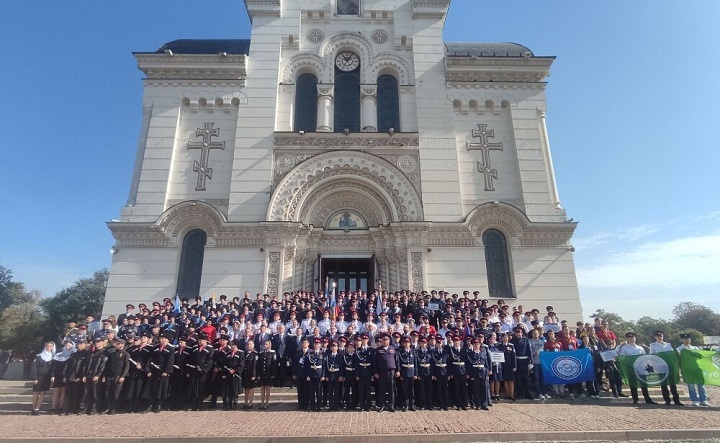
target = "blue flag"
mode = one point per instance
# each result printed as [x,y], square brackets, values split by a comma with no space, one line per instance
[176,308]
[567,367]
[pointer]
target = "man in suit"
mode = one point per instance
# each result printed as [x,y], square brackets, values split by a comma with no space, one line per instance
[279,344]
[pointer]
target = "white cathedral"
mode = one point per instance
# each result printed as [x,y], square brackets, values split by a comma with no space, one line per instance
[344,142]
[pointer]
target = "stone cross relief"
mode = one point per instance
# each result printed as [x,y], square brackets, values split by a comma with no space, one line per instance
[484,146]
[201,167]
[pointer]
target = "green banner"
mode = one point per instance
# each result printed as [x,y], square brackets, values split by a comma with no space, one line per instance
[700,367]
[650,369]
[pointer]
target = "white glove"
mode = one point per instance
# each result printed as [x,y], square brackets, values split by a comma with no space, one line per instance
[530,366]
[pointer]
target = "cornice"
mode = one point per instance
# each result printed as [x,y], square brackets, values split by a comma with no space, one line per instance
[192,67]
[432,9]
[335,140]
[497,69]
[463,84]
[258,8]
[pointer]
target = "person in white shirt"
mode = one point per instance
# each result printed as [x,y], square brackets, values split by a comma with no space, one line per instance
[632,348]
[655,348]
[697,393]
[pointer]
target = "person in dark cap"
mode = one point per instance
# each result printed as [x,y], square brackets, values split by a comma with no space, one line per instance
[179,377]
[457,373]
[697,393]
[440,355]
[477,365]
[347,377]
[230,374]
[266,372]
[116,369]
[424,393]
[314,375]
[299,368]
[137,383]
[332,366]
[364,372]
[162,359]
[129,310]
[385,366]
[94,392]
[632,348]
[523,354]
[73,374]
[662,346]
[216,383]
[201,361]
[407,370]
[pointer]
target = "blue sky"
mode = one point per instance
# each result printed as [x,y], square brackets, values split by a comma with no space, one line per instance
[633,116]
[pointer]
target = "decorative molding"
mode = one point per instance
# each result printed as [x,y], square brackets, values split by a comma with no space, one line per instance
[257,8]
[273,273]
[379,36]
[359,197]
[416,273]
[191,214]
[192,67]
[315,36]
[433,9]
[484,146]
[339,167]
[497,69]
[348,42]
[335,140]
[205,146]
[305,63]
[402,69]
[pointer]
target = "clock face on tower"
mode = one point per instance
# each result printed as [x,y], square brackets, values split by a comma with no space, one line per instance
[347,61]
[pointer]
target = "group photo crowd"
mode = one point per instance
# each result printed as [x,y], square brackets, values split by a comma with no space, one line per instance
[383,351]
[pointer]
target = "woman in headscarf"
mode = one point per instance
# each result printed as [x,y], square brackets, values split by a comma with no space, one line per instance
[40,375]
[57,368]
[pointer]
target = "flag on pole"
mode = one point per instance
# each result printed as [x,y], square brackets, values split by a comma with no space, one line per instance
[176,308]
[567,367]
[700,367]
[650,369]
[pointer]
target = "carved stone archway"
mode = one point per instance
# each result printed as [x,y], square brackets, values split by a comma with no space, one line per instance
[374,175]
[183,217]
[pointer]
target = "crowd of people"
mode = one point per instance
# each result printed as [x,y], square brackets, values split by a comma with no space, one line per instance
[402,350]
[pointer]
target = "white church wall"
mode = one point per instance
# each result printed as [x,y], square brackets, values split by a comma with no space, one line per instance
[140,275]
[232,271]
[455,269]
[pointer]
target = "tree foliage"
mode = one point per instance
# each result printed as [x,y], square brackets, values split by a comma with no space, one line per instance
[690,315]
[617,324]
[72,304]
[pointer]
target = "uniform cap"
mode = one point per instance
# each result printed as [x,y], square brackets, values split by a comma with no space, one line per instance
[423,340]
[405,340]
[630,334]
[656,333]
[317,340]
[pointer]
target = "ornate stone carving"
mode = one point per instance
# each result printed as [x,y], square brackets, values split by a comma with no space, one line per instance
[302,63]
[191,214]
[192,67]
[417,271]
[315,36]
[338,167]
[407,163]
[394,63]
[348,41]
[334,140]
[484,146]
[379,36]
[273,272]
[324,202]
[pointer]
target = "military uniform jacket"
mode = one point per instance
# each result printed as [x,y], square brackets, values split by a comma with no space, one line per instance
[477,363]
[332,366]
[96,364]
[182,356]
[424,362]
[201,358]
[384,359]
[118,364]
[522,349]
[347,365]
[300,363]
[456,361]
[266,364]
[406,363]
[440,361]
[363,361]
[314,369]
[141,356]
[162,359]
[250,365]
[75,365]
[234,361]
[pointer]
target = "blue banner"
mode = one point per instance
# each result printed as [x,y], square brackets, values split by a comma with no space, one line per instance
[567,367]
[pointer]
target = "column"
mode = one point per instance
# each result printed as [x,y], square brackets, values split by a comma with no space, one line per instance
[548,158]
[325,109]
[140,156]
[368,108]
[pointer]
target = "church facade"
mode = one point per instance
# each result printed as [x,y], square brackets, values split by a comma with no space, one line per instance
[344,142]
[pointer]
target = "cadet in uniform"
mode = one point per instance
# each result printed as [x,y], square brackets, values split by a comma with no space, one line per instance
[161,368]
[314,375]
[231,370]
[523,354]
[200,363]
[73,374]
[440,357]
[424,393]
[94,394]
[179,385]
[631,348]
[384,366]
[332,366]
[116,369]
[348,372]
[363,366]
[249,374]
[661,346]
[266,370]
[299,368]
[407,370]
[456,359]
[477,364]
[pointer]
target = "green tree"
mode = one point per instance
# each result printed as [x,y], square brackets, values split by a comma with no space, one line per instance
[617,324]
[647,325]
[22,323]
[690,315]
[72,304]
[6,288]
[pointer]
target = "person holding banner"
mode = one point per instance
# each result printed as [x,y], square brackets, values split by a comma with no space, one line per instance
[632,348]
[655,348]
[697,393]
[496,374]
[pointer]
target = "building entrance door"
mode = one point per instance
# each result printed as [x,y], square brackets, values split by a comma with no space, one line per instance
[350,274]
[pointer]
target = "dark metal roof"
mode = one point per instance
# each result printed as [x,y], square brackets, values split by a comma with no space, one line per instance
[189,46]
[486,50]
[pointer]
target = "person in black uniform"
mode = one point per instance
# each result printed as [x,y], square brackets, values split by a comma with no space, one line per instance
[116,369]
[266,370]
[424,375]
[440,357]
[332,366]
[162,359]
[523,353]
[94,393]
[299,368]
[231,370]
[348,371]
[40,375]
[178,384]
[384,366]
[314,375]
[138,379]
[280,345]
[200,363]
[363,365]
[73,375]
[215,382]
[477,363]
[407,369]
[456,360]
[248,376]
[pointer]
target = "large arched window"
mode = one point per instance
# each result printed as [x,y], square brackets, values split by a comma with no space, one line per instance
[388,107]
[306,103]
[347,100]
[497,264]
[191,263]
